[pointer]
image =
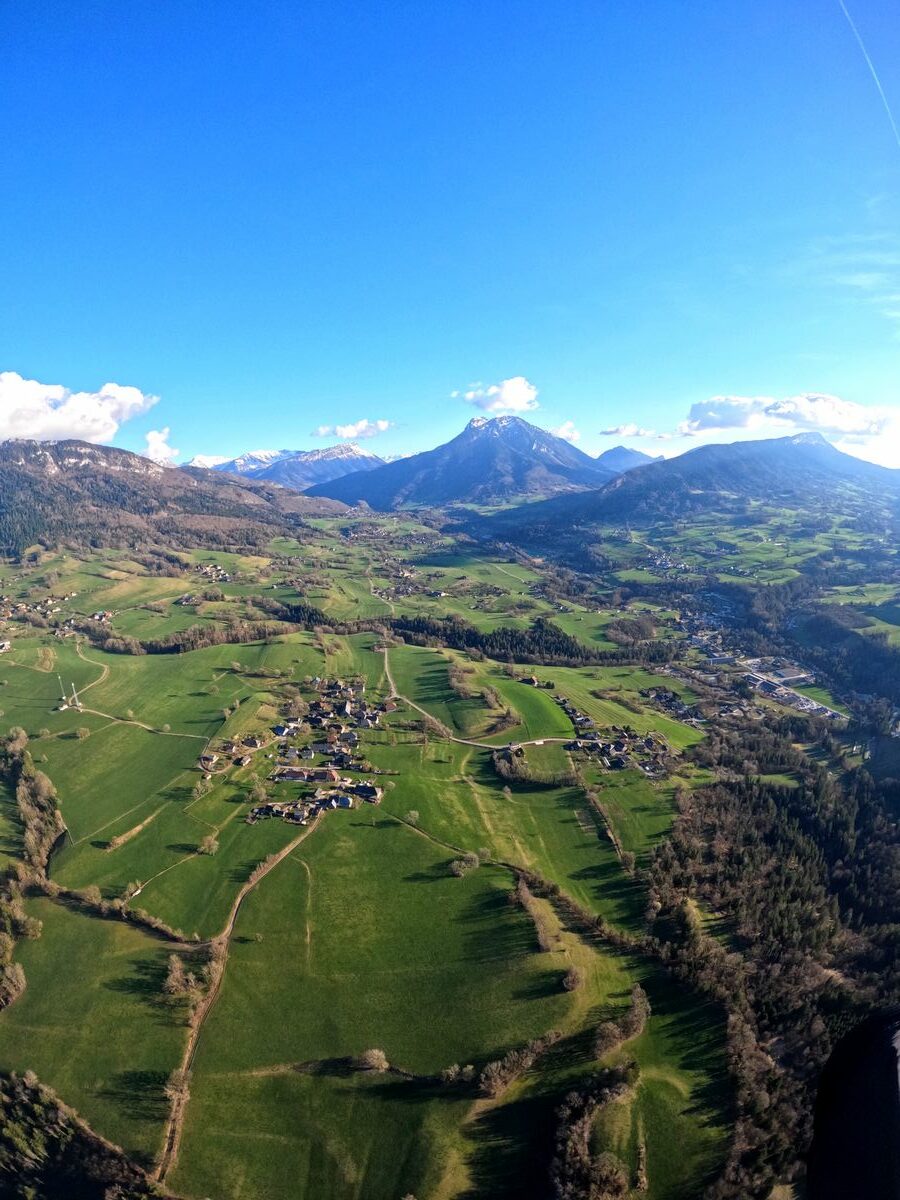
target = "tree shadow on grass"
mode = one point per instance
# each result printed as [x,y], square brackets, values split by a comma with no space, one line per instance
[145,983]
[435,874]
[139,1094]
[513,1147]
[514,1141]
[540,985]
[496,929]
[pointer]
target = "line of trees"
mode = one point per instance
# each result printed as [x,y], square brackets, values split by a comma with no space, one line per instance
[632,1023]
[577,1171]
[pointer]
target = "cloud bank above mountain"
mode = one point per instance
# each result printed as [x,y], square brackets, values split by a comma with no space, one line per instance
[806,412]
[52,412]
[867,431]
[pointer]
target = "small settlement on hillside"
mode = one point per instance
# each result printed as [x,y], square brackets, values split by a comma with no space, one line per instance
[315,750]
[617,747]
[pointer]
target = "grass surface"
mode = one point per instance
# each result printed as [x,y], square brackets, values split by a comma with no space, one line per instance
[93,1023]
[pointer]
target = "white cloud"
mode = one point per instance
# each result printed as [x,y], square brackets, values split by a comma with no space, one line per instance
[567,432]
[363,428]
[808,411]
[509,396]
[632,430]
[50,412]
[871,432]
[884,449]
[158,448]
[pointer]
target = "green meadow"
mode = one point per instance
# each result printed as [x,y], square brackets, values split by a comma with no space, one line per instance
[362,937]
[93,1023]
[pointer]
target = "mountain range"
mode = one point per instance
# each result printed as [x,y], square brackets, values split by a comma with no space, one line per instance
[803,472]
[297,469]
[547,490]
[492,461]
[80,492]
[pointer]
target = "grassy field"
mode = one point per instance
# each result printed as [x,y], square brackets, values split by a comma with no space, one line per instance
[286,1134]
[539,716]
[620,703]
[29,685]
[386,949]
[422,676]
[550,830]
[680,1107]
[639,810]
[94,1024]
[822,696]
[362,937]
[113,772]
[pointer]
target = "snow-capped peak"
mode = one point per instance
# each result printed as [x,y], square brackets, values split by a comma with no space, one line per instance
[341,450]
[248,463]
[207,461]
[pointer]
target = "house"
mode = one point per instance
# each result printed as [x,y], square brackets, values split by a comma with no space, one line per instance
[244,761]
[345,801]
[307,752]
[292,774]
[368,792]
[254,741]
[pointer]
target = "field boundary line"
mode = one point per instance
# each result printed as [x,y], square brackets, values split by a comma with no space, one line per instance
[175,1122]
[460,741]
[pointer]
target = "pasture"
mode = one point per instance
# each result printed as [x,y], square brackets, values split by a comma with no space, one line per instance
[93,1023]
[113,772]
[362,937]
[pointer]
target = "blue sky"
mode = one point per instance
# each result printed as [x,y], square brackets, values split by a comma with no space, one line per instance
[673,218]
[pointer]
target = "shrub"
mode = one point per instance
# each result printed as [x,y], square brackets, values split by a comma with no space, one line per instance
[374,1060]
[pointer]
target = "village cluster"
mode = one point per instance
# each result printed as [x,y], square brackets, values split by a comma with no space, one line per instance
[314,750]
[617,747]
[12,609]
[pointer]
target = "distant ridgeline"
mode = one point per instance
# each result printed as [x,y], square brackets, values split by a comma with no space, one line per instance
[70,491]
[543,642]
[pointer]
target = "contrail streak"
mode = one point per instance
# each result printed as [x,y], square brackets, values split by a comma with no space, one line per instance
[872,71]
